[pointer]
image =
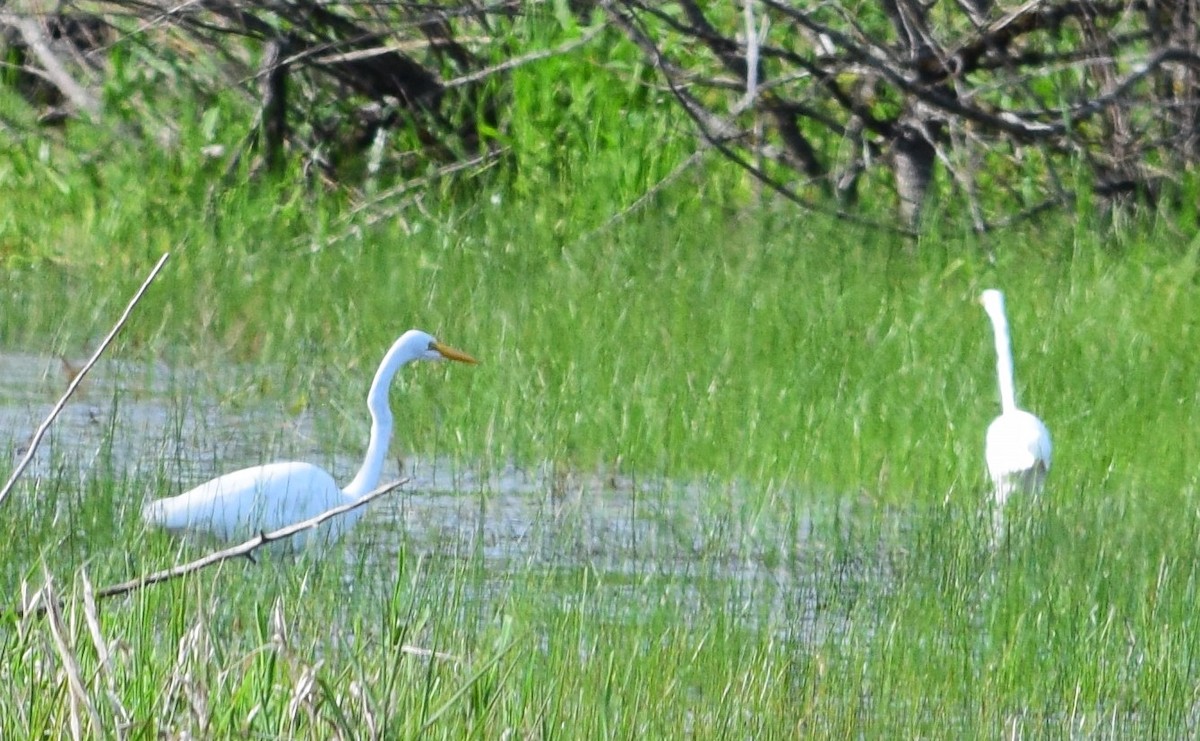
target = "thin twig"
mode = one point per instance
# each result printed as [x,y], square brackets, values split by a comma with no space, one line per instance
[568,46]
[74,384]
[427,653]
[482,159]
[486,159]
[466,686]
[646,195]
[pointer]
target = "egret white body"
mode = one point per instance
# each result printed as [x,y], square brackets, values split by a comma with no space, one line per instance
[241,504]
[1018,444]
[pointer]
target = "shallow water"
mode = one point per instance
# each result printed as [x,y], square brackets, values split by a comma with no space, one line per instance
[135,414]
[151,420]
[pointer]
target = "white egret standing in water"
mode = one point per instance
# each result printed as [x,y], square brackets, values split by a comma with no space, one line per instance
[264,498]
[1018,444]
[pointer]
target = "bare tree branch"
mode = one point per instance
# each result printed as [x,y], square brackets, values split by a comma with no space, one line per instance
[1112,86]
[717,132]
[34,37]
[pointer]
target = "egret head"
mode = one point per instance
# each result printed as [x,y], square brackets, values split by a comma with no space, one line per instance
[993,301]
[424,346]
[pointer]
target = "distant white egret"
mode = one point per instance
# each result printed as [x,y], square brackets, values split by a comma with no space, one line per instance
[264,498]
[1018,444]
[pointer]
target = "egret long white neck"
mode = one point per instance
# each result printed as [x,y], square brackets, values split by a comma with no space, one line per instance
[381,422]
[1004,361]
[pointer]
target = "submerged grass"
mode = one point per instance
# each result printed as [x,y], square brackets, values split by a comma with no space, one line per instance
[800,404]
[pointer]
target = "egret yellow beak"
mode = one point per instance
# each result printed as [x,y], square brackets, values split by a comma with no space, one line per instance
[449,353]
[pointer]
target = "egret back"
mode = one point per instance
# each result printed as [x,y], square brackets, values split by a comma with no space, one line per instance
[241,504]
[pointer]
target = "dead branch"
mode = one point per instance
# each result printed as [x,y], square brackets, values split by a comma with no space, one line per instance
[524,59]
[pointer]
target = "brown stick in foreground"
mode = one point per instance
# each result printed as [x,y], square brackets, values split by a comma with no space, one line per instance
[237,551]
[78,379]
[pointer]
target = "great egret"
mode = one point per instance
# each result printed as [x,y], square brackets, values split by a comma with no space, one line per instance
[1018,444]
[263,498]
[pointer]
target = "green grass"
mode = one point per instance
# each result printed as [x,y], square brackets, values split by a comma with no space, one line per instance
[787,378]
[799,405]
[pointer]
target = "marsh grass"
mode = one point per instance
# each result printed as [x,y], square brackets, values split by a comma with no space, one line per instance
[801,404]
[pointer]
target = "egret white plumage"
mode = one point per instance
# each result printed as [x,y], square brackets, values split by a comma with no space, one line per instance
[1018,444]
[264,498]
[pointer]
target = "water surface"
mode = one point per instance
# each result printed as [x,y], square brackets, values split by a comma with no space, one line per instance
[153,422]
